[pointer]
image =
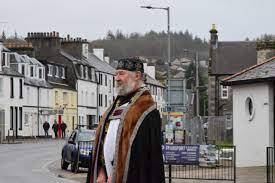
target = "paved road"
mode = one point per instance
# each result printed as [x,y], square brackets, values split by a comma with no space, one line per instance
[28,162]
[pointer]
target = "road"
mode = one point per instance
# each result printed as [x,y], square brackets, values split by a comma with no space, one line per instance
[29,162]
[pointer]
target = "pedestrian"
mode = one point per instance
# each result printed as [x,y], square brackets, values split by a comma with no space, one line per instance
[55,128]
[63,127]
[128,138]
[46,127]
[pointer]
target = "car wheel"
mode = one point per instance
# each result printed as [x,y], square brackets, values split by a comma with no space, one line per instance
[74,167]
[64,164]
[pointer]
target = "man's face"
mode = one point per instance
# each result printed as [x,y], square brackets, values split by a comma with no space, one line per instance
[126,82]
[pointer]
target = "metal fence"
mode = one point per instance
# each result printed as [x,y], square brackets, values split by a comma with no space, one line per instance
[222,168]
[269,164]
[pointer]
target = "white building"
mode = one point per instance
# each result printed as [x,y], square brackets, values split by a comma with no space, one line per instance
[11,97]
[105,79]
[253,112]
[37,95]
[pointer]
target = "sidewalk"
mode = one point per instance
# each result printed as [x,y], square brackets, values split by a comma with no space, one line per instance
[244,175]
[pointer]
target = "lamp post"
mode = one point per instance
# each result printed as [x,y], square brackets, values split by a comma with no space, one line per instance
[197,80]
[168,54]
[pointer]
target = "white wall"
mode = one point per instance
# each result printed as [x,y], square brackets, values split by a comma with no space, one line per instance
[99,52]
[251,137]
[106,90]
[87,100]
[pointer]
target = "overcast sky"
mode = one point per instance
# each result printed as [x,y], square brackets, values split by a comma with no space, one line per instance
[91,19]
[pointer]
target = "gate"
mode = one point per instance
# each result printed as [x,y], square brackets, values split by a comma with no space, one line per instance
[269,164]
[221,166]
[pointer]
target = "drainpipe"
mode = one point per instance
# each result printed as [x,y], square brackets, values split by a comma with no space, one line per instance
[38,111]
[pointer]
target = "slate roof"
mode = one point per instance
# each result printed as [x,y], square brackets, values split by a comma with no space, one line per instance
[260,72]
[36,82]
[232,57]
[100,65]
[152,81]
[10,72]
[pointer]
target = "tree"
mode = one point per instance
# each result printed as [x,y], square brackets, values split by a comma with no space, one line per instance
[110,35]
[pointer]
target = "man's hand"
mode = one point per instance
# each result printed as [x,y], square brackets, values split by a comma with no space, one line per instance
[109,179]
[101,178]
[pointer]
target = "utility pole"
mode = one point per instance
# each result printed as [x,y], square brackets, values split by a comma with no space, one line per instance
[197,84]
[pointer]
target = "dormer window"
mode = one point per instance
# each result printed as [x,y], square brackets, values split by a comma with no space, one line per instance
[5,59]
[23,69]
[40,73]
[31,71]
[50,70]
[56,71]
[93,74]
[81,71]
[63,73]
[86,72]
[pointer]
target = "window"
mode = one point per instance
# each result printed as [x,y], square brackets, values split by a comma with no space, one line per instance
[92,74]
[40,73]
[63,73]
[31,71]
[81,71]
[20,118]
[105,80]
[23,69]
[11,88]
[20,88]
[100,100]
[86,73]
[1,86]
[105,100]
[56,71]
[65,98]
[249,108]
[56,97]
[50,70]
[100,79]
[224,92]
[5,59]
[110,86]
[11,118]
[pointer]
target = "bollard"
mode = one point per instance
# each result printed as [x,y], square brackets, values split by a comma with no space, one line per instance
[170,174]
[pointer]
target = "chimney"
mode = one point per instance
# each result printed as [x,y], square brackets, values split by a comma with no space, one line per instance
[265,50]
[76,47]
[99,52]
[107,59]
[213,37]
[45,44]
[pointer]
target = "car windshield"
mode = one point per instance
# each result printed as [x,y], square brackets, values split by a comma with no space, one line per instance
[86,136]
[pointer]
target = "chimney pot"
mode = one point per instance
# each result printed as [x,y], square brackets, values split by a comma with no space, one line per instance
[57,34]
[29,34]
[51,34]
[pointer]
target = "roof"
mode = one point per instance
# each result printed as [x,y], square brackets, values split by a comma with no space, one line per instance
[260,72]
[72,58]
[152,81]
[100,65]
[232,57]
[36,82]
[10,72]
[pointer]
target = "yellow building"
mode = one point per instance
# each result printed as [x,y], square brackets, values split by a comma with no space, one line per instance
[65,105]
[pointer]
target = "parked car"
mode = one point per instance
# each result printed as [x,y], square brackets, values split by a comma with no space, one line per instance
[77,150]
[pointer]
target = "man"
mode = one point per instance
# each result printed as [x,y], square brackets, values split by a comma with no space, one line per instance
[63,127]
[46,127]
[128,146]
[55,128]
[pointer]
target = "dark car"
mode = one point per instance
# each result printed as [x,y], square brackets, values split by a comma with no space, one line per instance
[77,151]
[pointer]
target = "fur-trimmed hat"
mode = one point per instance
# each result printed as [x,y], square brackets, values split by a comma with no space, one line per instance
[130,64]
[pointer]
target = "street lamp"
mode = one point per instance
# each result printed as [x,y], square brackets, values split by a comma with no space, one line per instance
[168,51]
[196,79]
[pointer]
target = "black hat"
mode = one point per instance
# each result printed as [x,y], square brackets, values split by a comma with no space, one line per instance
[130,64]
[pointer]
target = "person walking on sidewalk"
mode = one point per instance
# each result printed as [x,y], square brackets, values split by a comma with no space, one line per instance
[63,127]
[128,138]
[46,127]
[55,129]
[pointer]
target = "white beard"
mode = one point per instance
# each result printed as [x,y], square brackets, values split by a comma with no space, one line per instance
[124,89]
